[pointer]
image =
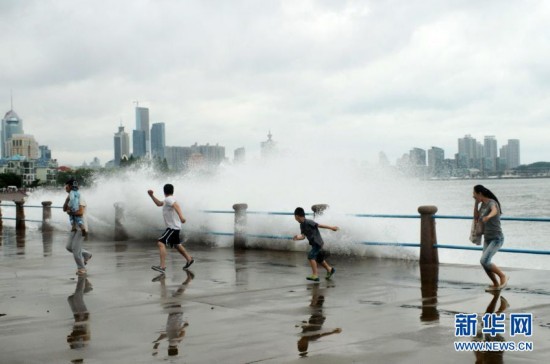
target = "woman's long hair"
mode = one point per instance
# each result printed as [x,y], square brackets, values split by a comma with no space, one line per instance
[487,193]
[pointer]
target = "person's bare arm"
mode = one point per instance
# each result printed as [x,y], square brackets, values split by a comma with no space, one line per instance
[155,200]
[178,210]
[298,237]
[333,228]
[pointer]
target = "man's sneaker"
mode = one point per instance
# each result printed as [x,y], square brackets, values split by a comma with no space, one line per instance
[330,274]
[188,264]
[312,278]
[159,269]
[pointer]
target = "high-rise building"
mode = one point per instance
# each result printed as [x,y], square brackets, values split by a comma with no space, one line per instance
[11,124]
[23,145]
[177,157]
[138,144]
[470,152]
[45,153]
[417,157]
[212,154]
[158,140]
[122,145]
[512,154]
[490,154]
[142,123]
[268,148]
[239,155]
[436,158]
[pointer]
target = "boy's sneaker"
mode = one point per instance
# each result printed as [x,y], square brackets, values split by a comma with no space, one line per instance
[188,264]
[312,278]
[159,269]
[330,274]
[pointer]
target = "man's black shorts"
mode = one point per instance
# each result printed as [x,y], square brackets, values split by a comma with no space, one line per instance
[171,237]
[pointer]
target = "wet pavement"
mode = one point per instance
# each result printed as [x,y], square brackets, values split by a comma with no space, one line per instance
[245,307]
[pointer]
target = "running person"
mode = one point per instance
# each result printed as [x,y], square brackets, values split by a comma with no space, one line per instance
[75,207]
[310,229]
[489,214]
[173,218]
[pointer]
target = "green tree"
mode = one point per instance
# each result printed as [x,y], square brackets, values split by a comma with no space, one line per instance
[10,179]
[84,176]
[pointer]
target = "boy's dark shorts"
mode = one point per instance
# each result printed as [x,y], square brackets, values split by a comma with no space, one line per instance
[317,253]
[171,238]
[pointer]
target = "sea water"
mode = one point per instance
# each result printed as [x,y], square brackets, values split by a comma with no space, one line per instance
[281,184]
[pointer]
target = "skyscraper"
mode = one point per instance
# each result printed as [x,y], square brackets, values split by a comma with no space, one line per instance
[513,156]
[470,152]
[489,154]
[436,158]
[138,143]
[142,123]
[268,148]
[11,124]
[158,140]
[239,155]
[122,145]
[417,157]
[45,152]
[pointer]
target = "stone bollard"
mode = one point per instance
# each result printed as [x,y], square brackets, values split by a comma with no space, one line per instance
[19,215]
[239,239]
[428,253]
[318,209]
[120,231]
[47,216]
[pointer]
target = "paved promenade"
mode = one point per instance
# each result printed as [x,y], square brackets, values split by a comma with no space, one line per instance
[246,307]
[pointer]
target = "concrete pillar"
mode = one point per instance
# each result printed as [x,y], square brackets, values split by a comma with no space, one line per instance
[239,241]
[19,215]
[318,209]
[47,216]
[120,231]
[428,253]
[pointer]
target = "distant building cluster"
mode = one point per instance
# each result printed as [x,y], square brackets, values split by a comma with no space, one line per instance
[473,159]
[150,143]
[23,156]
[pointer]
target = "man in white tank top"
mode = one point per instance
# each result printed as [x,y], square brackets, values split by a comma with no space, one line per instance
[173,218]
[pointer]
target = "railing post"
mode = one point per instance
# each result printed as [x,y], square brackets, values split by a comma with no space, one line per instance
[239,239]
[318,209]
[428,252]
[19,215]
[120,231]
[1,223]
[46,215]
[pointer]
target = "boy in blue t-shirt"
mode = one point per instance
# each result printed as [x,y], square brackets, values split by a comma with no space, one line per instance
[310,229]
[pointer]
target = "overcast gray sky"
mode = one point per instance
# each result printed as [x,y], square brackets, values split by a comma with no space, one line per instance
[350,77]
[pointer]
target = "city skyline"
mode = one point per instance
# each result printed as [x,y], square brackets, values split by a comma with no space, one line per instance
[347,78]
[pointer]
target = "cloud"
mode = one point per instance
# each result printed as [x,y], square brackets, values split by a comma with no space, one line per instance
[358,76]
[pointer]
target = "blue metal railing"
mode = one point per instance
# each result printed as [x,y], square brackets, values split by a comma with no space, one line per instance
[359,215]
[395,244]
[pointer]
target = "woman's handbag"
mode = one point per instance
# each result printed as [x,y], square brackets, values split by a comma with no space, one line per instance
[476,232]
